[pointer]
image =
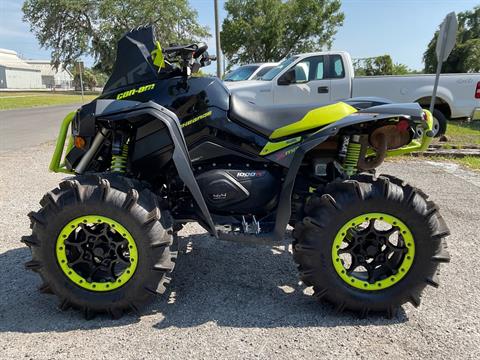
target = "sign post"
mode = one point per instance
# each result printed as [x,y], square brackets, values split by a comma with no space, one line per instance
[445,43]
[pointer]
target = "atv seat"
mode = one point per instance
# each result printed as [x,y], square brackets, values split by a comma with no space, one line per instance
[276,121]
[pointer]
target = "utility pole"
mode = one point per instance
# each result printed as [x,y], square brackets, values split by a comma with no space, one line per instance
[217,41]
[80,70]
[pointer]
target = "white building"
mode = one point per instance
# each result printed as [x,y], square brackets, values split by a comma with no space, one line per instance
[51,78]
[15,73]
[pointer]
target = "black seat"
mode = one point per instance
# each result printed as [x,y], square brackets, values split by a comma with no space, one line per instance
[265,119]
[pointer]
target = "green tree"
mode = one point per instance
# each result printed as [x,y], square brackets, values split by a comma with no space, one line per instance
[269,30]
[379,65]
[101,77]
[72,28]
[89,78]
[400,69]
[465,56]
[372,66]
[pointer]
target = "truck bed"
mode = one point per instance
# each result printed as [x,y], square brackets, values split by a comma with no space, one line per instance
[456,90]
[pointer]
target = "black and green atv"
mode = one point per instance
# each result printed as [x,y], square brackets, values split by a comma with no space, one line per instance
[159,149]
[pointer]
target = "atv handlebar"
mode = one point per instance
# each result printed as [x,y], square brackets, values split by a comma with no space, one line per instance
[190,57]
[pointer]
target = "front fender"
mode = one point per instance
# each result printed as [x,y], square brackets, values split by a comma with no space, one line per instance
[180,155]
[111,111]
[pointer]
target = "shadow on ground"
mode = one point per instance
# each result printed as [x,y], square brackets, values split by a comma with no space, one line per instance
[24,309]
[226,283]
[246,286]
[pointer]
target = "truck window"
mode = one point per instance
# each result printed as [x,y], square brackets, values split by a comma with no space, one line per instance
[337,71]
[277,69]
[241,73]
[319,72]
[310,69]
[302,70]
[262,72]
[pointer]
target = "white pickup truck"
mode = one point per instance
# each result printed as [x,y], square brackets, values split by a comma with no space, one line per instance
[325,77]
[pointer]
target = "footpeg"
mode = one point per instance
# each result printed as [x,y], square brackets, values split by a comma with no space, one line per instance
[253,228]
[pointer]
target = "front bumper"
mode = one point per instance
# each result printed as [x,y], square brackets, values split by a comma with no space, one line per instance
[57,164]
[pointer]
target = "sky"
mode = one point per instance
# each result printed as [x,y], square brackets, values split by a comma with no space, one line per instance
[401,28]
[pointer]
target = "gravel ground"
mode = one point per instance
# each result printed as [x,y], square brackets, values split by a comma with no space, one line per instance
[234,301]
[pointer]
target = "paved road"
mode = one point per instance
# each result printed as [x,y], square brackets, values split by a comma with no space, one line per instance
[229,301]
[22,128]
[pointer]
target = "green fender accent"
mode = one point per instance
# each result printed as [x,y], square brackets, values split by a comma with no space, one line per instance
[315,118]
[55,164]
[271,147]
[61,254]
[403,268]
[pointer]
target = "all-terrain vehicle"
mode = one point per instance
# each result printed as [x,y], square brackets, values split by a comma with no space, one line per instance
[160,148]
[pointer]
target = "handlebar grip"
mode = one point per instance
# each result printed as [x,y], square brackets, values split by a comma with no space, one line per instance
[201,48]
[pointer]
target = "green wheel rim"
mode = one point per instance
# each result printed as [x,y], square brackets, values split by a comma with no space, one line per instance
[64,241]
[359,280]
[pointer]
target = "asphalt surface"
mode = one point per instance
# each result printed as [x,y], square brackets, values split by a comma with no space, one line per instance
[232,301]
[22,128]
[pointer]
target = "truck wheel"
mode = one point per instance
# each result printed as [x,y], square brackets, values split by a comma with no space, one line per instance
[370,244]
[101,244]
[439,123]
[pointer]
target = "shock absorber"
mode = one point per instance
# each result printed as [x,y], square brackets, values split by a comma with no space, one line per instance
[352,155]
[119,157]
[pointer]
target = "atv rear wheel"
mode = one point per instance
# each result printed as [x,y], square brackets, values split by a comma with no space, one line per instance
[370,244]
[101,244]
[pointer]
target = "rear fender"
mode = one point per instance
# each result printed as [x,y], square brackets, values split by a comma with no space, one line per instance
[411,111]
[292,156]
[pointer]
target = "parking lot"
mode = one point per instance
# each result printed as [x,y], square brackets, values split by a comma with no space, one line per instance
[233,301]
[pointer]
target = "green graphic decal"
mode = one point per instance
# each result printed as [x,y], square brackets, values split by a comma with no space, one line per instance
[271,147]
[194,120]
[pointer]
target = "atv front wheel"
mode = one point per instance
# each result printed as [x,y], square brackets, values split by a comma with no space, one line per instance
[370,244]
[101,244]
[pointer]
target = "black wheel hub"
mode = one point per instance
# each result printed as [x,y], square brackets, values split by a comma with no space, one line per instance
[372,249]
[97,252]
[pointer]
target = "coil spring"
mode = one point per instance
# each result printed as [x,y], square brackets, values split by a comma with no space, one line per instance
[119,162]
[351,159]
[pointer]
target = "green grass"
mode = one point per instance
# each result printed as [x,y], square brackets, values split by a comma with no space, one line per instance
[460,134]
[463,133]
[19,100]
[472,162]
